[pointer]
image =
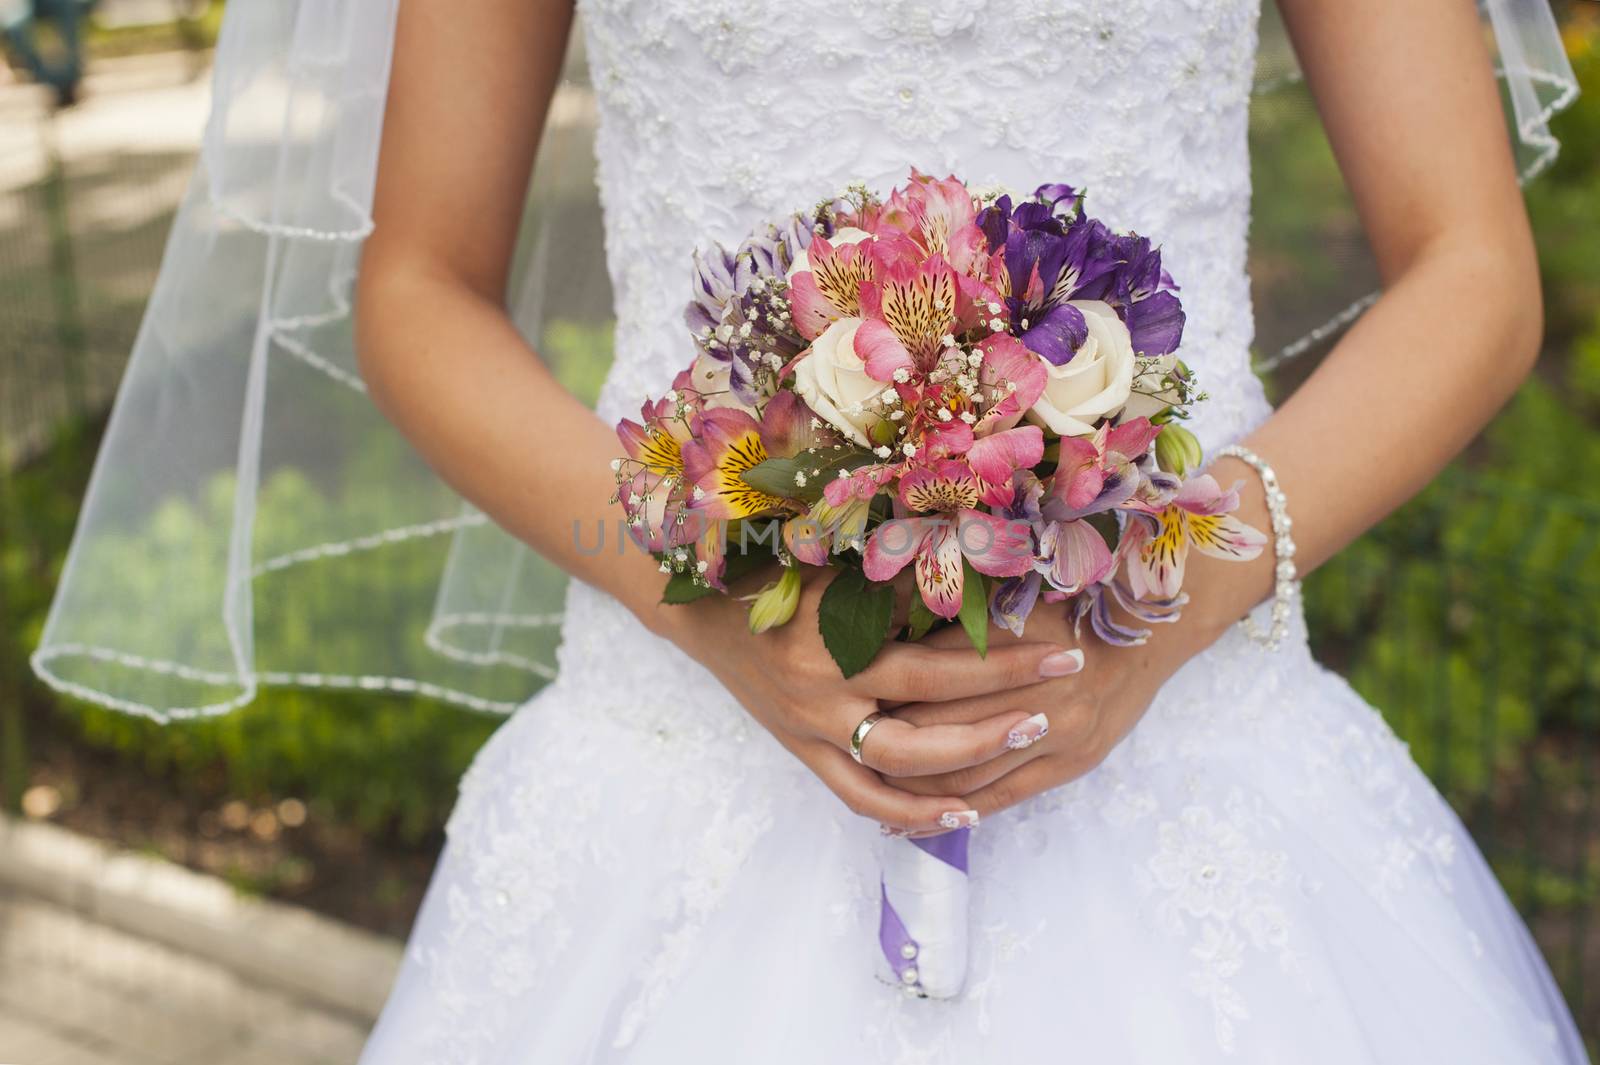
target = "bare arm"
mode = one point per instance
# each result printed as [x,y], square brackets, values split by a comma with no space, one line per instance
[1409,101]
[1408,98]
[467,100]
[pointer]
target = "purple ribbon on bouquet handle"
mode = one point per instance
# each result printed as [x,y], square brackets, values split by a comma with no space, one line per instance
[927,878]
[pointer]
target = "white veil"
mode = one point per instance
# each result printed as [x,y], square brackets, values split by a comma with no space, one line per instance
[252,519]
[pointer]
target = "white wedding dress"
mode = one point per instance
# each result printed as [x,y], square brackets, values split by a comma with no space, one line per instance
[637,873]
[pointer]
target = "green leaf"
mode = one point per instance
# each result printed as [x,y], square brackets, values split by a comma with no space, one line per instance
[974,613]
[922,619]
[854,618]
[682,588]
[776,477]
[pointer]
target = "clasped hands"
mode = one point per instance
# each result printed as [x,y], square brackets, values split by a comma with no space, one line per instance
[964,735]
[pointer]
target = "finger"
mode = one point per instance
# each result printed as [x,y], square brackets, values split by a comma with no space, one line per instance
[981,707]
[908,672]
[899,749]
[964,711]
[865,793]
[1023,783]
[966,781]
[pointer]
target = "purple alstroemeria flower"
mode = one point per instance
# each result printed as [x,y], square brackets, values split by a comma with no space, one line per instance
[1053,258]
[1094,603]
[1013,601]
[995,221]
[713,288]
[1143,294]
[1155,486]
[1049,260]
[1043,261]
[1026,492]
[1014,598]
[771,253]
[738,311]
[1055,193]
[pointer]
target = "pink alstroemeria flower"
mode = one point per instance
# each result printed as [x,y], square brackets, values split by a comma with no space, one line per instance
[1011,379]
[995,457]
[861,483]
[652,485]
[726,444]
[940,216]
[938,542]
[831,289]
[1074,555]
[1200,515]
[655,510]
[1094,474]
[1098,473]
[656,441]
[909,309]
[789,427]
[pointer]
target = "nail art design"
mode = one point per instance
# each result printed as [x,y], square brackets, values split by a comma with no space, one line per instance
[1028,733]
[1061,663]
[962,819]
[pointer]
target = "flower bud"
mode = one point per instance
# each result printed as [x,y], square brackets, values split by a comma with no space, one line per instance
[1177,450]
[776,603]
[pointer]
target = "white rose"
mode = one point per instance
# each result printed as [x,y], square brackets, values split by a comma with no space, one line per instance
[842,235]
[1095,382]
[1149,398]
[833,381]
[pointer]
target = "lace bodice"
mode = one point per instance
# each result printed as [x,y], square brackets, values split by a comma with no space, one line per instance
[716,115]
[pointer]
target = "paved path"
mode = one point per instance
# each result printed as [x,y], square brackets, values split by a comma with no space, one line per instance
[123,156]
[111,956]
[75,992]
[148,103]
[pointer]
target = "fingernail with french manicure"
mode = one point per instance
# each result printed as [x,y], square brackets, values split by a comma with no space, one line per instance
[892,832]
[961,819]
[1028,732]
[1061,663]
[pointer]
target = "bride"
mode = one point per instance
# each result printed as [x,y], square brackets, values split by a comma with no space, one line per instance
[1214,851]
[1199,849]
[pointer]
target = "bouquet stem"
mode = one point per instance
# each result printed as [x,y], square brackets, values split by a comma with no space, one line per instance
[922,921]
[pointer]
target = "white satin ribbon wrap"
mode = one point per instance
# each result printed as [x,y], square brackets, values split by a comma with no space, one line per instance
[930,896]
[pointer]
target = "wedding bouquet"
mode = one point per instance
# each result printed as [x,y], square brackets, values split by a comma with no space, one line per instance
[981,387]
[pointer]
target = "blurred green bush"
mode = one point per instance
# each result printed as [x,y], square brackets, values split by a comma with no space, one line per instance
[385,764]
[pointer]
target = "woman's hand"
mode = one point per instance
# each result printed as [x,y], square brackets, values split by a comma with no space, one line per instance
[1087,712]
[789,683]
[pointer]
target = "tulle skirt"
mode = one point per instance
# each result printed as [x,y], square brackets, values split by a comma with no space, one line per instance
[1259,873]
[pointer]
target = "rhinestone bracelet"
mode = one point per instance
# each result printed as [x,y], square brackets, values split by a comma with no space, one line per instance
[1287,585]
